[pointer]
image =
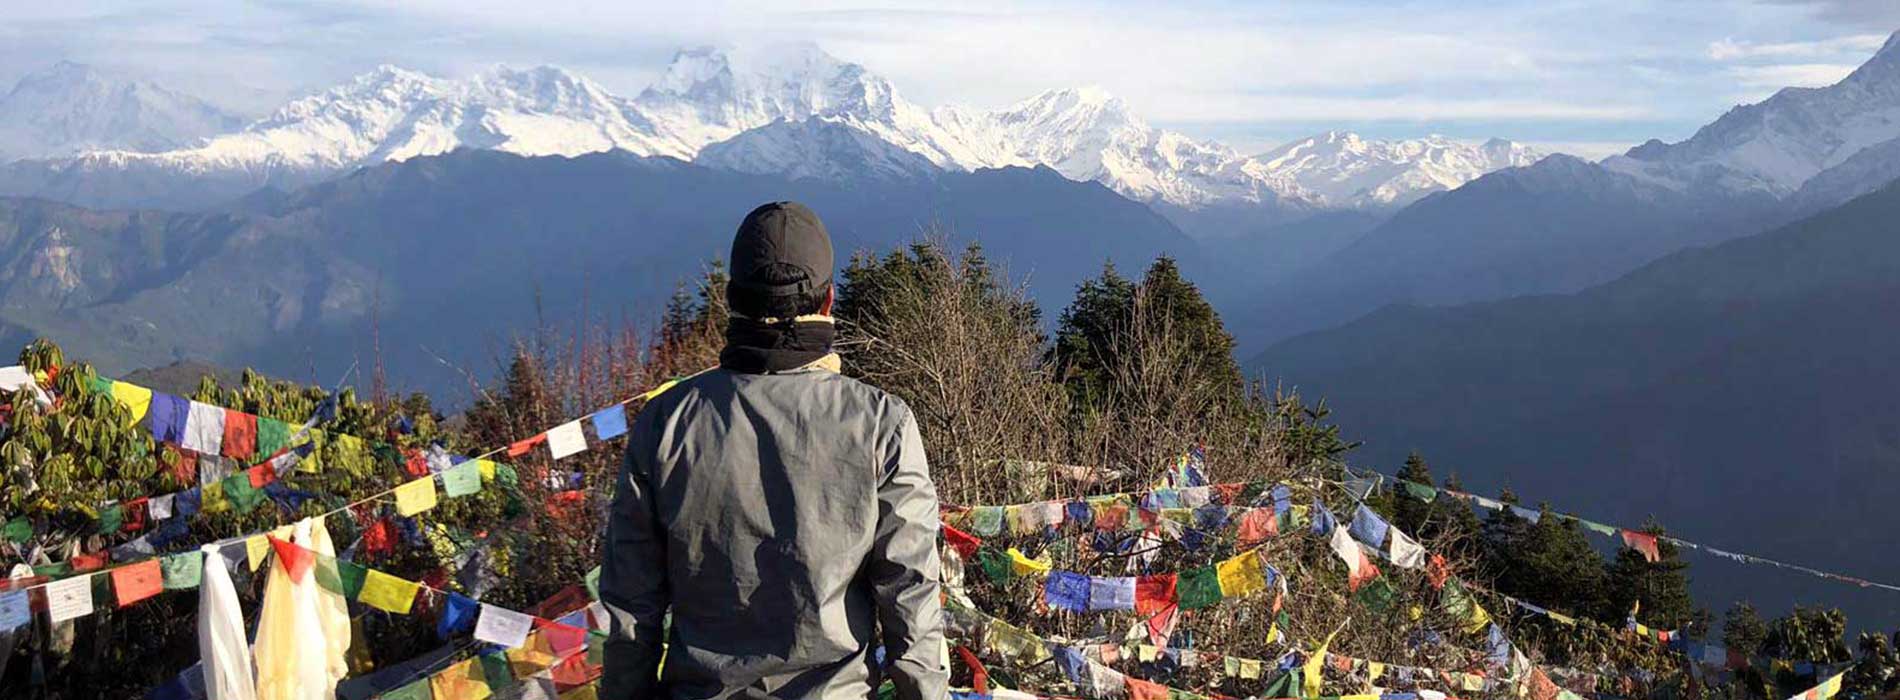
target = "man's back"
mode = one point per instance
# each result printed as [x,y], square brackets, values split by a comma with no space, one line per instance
[781,516]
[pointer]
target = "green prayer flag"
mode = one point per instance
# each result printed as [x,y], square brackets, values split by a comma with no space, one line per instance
[1377,596]
[418,690]
[240,494]
[272,435]
[1421,491]
[53,570]
[505,476]
[1198,588]
[1598,528]
[592,579]
[461,479]
[99,385]
[182,571]
[111,518]
[496,673]
[329,578]
[596,647]
[19,530]
[996,565]
[352,577]
[1286,686]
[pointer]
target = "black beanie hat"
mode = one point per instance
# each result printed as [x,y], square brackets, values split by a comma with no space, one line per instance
[781,262]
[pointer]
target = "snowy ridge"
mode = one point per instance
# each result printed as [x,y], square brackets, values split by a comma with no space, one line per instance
[795,110]
[1776,145]
[70,108]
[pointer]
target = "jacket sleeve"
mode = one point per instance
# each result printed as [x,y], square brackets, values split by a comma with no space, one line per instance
[904,569]
[633,583]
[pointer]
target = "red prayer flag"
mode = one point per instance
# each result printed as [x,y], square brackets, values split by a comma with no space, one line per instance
[1112,518]
[1154,594]
[965,543]
[261,475]
[88,562]
[185,470]
[523,447]
[1258,525]
[134,515]
[562,639]
[1139,689]
[295,559]
[573,672]
[1439,572]
[137,582]
[415,463]
[240,434]
[1541,686]
[1230,493]
[1642,542]
[377,539]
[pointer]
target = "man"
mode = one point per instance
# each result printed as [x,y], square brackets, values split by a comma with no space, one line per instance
[782,512]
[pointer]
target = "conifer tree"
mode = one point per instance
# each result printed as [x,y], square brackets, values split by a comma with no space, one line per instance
[1661,586]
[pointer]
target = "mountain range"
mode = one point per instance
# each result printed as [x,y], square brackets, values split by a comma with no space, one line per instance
[69,108]
[789,110]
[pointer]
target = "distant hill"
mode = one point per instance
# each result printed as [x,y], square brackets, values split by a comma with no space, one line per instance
[1743,393]
[452,255]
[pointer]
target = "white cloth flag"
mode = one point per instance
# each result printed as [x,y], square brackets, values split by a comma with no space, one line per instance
[1107,682]
[204,429]
[1406,551]
[566,439]
[333,612]
[503,626]
[223,650]
[161,506]
[69,598]
[290,647]
[1348,550]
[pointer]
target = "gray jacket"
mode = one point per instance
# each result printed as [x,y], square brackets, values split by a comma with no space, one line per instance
[783,519]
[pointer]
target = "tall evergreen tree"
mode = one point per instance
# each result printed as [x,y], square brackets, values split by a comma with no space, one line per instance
[1661,586]
[1112,321]
[1411,511]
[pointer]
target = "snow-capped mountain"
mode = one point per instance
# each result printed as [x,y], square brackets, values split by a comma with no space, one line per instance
[788,109]
[1776,145]
[69,108]
[1339,168]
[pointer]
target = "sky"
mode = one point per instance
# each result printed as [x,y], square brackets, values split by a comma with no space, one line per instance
[1590,78]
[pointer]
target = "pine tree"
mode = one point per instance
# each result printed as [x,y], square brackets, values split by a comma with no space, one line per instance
[1113,323]
[1743,629]
[1411,513]
[1661,586]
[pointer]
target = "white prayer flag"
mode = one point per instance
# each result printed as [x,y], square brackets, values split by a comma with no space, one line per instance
[503,626]
[69,598]
[204,429]
[566,439]
[1406,551]
[1107,682]
[1348,550]
[162,507]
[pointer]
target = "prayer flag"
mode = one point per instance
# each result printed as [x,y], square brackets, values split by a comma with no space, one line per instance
[239,492]
[204,429]
[16,610]
[965,543]
[1241,575]
[461,480]
[521,447]
[1257,526]
[1323,520]
[1067,591]
[136,399]
[240,435]
[1406,552]
[1421,491]
[168,418]
[418,690]
[272,435]
[496,672]
[1359,569]
[1022,565]
[1139,689]
[1154,594]
[503,626]
[1644,543]
[566,439]
[385,592]
[1368,526]
[161,506]
[69,598]
[1312,673]
[135,582]
[182,571]
[416,496]
[1199,588]
[1106,682]
[987,521]
[996,566]
[256,547]
[295,560]
[462,681]
[1111,593]
[610,422]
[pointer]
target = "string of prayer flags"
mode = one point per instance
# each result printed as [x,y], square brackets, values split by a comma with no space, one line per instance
[416,496]
[1642,542]
[566,439]
[388,593]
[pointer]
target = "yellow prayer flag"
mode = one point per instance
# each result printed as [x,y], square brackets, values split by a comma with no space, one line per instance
[313,462]
[1471,681]
[135,398]
[1360,696]
[1313,673]
[1240,575]
[1831,686]
[1416,612]
[1374,670]
[463,681]
[416,496]
[585,692]
[212,498]
[531,657]
[1479,618]
[1565,619]
[1146,653]
[487,468]
[256,548]
[1250,669]
[385,592]
[1022,565]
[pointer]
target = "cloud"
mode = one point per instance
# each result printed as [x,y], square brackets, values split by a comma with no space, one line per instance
[1878,15]
[1728,49]
[1791,75]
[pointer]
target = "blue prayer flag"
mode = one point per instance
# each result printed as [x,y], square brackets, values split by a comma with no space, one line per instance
[1072,663]
[1067,590]
[14,611]
[457,615]
[610,422]
[1368,527]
